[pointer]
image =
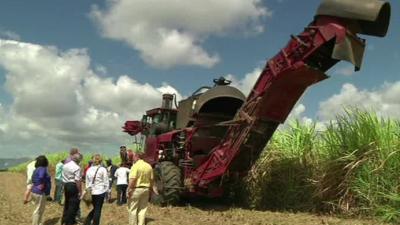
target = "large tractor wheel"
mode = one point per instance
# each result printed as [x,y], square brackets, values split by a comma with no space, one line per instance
[168,180]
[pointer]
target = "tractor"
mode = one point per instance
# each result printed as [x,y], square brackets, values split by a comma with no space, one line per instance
[199,145]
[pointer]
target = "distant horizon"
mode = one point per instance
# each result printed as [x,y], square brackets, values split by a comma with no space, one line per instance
[29,157]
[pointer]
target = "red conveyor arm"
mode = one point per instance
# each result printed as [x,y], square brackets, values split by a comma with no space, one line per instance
[282,82]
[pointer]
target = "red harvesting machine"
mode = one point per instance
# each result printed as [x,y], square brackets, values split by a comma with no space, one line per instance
[216,135]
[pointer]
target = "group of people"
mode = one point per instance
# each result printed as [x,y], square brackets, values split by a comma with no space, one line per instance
[134,186]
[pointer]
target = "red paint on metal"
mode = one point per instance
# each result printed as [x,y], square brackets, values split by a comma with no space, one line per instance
[167,137]
[151,150]
[279,86]
[133,127]
[301,63]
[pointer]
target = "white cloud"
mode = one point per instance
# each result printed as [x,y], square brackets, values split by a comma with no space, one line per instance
[298,114]
[58,101]
[297,111]
[10,35]
[125,95]
[384,100]
[248,81]
[171,33]
[101,69]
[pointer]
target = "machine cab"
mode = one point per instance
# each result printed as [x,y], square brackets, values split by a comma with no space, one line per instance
[160,120]
[156,121]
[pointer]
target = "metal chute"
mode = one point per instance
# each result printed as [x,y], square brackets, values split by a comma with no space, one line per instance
[370,17]
[350,49]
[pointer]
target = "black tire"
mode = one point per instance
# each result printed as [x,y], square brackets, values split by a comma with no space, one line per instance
[168,179]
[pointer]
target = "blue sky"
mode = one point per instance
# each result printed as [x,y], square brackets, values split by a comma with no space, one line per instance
[234,40]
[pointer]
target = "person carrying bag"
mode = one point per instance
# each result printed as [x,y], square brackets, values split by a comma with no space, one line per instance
[97,186]
[87,194]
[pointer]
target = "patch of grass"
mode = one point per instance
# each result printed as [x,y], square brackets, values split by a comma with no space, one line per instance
[351,168]
[280,178]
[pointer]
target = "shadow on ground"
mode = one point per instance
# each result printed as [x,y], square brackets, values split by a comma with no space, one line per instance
[52,221]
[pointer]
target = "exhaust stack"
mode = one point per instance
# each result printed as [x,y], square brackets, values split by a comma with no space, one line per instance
[167,101]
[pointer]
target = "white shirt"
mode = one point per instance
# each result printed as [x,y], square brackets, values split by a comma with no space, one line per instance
[122,175]
[29,171]
[71,172]
[100,184]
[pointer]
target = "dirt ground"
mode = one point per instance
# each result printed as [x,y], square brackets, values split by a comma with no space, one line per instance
[14,212]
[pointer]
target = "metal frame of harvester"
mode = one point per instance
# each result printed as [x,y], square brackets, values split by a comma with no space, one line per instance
[214,136]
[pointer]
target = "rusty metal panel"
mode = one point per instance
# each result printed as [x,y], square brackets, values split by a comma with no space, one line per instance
[371,16]
[192,106]
[185,113]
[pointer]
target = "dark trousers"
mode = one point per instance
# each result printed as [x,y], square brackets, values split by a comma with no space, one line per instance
[58,191]
[121,193]
[71,204]
[108,194]
[94,215]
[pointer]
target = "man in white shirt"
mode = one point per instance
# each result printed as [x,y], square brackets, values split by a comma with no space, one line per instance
[71,176]
[122,174]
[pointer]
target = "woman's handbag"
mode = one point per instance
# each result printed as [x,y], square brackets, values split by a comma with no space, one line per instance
[87,193]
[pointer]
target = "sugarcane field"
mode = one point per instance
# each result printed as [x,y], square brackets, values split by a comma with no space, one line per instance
[264,112]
